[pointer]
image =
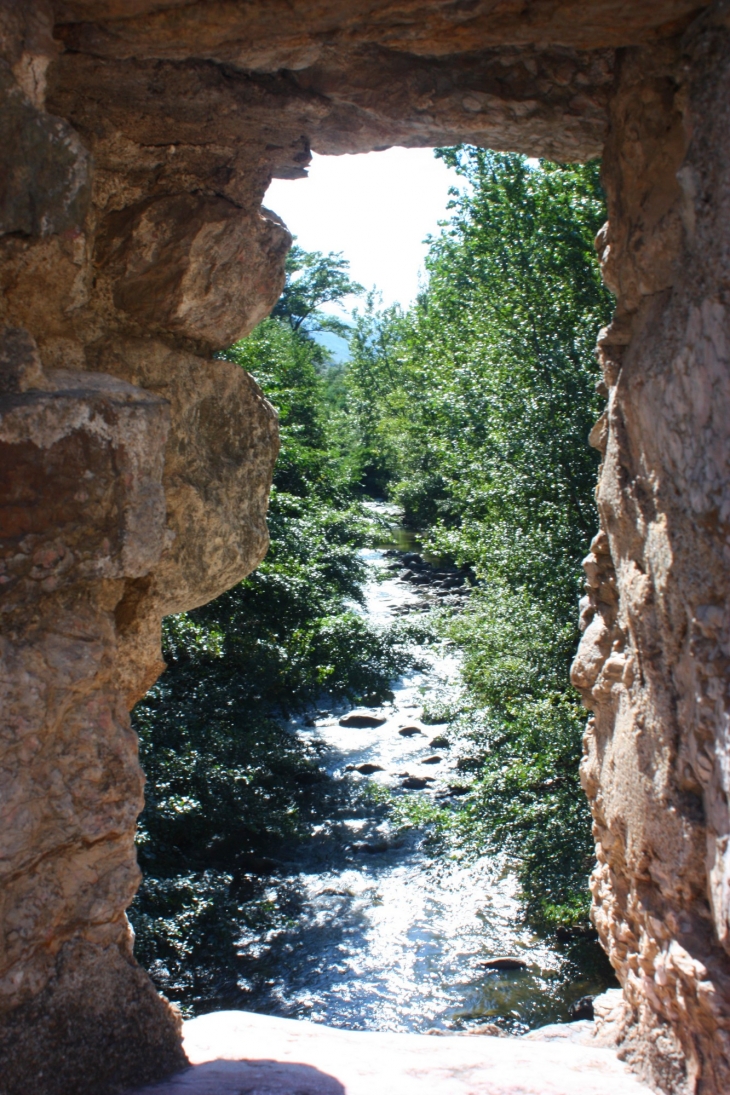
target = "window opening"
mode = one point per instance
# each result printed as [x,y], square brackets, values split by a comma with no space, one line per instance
[363,801]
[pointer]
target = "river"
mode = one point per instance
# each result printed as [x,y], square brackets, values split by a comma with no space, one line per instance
[378,931]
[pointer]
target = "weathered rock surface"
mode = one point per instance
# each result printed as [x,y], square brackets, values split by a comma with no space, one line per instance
[138,139]
[653,663]
[91,448]
[235,1051]
[180,263]
[218,463]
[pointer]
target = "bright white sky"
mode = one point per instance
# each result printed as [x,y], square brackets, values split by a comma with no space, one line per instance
[377,208]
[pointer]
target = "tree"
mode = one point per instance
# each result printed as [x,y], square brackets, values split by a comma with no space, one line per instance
[314,279]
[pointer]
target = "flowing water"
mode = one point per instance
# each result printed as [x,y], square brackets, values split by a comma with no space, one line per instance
[380,932]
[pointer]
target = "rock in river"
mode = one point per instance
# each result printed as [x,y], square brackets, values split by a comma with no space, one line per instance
[506,962]
[416,783]
[368,769]
[431,760]
[581,1009]
[360,719]
[410,731]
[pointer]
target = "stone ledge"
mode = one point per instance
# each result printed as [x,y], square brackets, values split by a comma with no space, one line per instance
[235,1051]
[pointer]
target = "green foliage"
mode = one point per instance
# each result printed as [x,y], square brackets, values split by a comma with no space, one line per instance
[285,364]
[378,396]
[521,735]
[475,408]
[314,279]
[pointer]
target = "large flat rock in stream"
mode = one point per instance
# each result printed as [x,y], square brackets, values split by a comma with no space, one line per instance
[237,1052]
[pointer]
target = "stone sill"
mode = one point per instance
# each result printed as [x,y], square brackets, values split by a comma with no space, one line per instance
[235,1051]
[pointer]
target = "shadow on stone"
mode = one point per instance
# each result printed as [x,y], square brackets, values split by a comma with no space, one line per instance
[99,1026]
[265,1077]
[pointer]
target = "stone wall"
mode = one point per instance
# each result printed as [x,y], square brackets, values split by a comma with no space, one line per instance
[655,657]
[138,139]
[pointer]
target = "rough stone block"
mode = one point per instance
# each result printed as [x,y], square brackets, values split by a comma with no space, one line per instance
[200,267]
[44,167]
[81,510]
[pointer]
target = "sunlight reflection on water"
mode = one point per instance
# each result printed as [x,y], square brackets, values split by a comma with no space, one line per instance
[392,938]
